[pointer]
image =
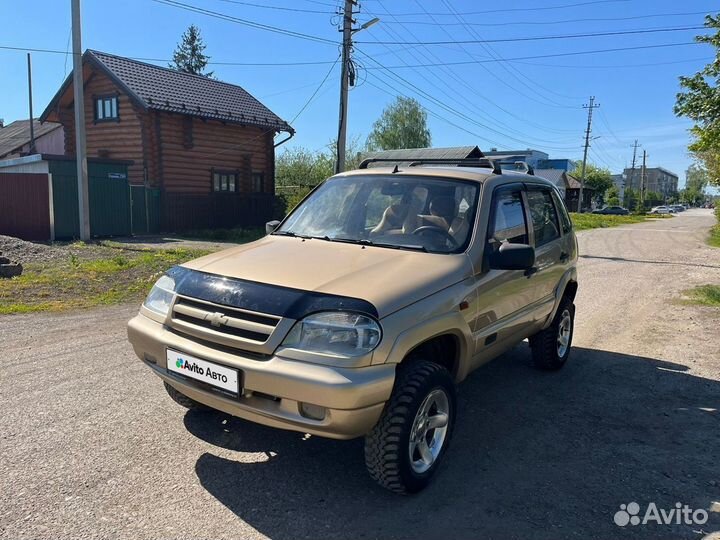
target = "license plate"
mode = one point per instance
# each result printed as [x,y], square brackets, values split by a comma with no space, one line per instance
[202,370]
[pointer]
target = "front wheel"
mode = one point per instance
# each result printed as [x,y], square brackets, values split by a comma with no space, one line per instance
[403,450]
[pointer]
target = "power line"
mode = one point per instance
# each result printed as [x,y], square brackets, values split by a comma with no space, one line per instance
[490,24]
[279,8]
[532,38]
[297,115]
[616,66]
[457,63]
[322,83]
[395,92]
[510,69]
[604,120]
[216,63]
[444,106]
[556,55]
[506,10]
[244,22]
[453,88]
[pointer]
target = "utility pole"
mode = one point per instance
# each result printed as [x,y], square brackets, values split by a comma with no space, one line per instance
[592,105]
[344,84]
[632,170]
[347,77]
[642,181]
[79,102]
[32,120]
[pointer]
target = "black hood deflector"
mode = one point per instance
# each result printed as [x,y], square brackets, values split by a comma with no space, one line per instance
[262,297]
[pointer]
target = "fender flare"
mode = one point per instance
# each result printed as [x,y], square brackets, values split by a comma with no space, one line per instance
[570,275]
[452,324]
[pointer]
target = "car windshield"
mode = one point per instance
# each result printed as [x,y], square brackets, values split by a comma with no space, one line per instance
[413,213]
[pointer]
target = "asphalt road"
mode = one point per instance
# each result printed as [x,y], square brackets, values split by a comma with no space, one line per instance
[91,446]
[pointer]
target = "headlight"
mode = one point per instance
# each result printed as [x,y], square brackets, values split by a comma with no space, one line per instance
[335,332]
[161,295]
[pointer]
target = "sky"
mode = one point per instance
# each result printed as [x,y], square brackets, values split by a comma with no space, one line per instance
[477,67]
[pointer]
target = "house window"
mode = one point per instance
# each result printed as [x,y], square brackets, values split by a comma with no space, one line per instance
[106,109]
[224,182]
[258,182]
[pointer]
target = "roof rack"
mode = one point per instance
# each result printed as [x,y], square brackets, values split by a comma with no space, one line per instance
[460,162]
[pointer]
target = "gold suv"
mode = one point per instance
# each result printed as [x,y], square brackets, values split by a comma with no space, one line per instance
[360,311]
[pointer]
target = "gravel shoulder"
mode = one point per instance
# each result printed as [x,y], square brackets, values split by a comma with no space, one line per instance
[93,448]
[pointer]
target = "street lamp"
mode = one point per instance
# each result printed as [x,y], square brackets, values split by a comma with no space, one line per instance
[366,25]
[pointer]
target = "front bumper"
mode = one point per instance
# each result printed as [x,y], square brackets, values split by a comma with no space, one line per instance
[273,388]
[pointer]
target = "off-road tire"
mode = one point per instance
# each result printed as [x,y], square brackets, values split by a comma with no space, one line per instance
[182,399]
[387,446]
[544,344]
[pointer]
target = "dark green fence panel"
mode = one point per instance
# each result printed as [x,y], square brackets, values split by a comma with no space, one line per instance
[109,194]
[109,206]
[65,199]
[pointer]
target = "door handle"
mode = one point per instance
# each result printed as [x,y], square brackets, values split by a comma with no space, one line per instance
[564,257]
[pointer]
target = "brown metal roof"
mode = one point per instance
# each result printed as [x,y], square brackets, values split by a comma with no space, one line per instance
[17,134]
[165,89]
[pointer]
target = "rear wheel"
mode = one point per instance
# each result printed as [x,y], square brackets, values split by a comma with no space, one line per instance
[404,449]
[182,399]
[551,347]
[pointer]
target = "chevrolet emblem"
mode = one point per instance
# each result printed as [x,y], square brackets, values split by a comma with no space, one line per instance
[216,319]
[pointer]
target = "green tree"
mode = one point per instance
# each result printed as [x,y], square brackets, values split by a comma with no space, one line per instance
[298,170]
[700,101]
[598,179]
[403,124]
[612,196]
[189,55]
[696,180]
[631,199]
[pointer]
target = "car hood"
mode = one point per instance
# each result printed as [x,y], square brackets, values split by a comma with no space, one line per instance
[390,279]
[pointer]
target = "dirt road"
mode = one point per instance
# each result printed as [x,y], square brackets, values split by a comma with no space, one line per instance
[92,446]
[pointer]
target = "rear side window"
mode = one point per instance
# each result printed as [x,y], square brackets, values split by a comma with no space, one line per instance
[508,223]
[544,217]
[564,217]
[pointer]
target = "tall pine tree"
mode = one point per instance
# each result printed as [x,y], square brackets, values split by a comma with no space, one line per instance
[189,54]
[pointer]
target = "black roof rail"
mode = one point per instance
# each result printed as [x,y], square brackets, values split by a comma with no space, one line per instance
[367,161]
[460,162]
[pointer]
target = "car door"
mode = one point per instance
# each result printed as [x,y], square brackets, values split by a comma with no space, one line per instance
[503,297]
[551,252]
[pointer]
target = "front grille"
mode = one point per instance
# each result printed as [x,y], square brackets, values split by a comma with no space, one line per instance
[222,324]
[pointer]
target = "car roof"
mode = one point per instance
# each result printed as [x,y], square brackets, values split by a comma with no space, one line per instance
[477,174]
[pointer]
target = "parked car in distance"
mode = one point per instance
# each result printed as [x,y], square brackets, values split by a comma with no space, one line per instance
[612,211]
[661,210]
[358,313]
[677,208]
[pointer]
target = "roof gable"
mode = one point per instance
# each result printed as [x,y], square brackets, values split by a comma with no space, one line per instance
[164,89]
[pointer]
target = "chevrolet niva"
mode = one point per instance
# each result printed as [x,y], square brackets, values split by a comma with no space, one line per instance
[358,313]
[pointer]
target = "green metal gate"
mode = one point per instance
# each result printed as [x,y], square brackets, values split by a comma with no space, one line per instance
[109,199]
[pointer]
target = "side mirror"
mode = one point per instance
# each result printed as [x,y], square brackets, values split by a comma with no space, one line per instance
[270,226]
[513,257]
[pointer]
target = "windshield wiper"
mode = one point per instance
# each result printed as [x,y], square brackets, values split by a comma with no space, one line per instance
[365,242]
[292,234]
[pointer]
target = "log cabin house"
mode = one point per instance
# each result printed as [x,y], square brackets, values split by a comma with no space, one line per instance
[207,146]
